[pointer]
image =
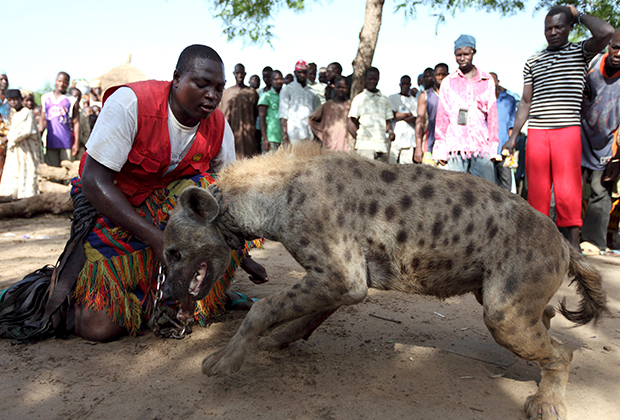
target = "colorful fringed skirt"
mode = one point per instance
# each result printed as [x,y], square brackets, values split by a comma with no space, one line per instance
[120,272]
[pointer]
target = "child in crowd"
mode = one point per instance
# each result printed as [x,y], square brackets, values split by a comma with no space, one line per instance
[61,117]
[23,153]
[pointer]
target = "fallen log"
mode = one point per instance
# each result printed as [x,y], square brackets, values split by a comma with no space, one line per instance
[54,203]
[65,172]
[46,187]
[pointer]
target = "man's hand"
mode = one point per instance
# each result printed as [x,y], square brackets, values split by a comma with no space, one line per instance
[612,171]
[285,139]
[266,146]
[442,162]
[574,12]
[391,135]
[75,148]
[418,155]
[510,144]
[258,274]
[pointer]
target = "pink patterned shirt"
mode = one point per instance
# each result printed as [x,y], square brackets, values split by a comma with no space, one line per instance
[480,136]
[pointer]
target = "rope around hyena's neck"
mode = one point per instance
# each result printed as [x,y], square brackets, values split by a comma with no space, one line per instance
[225,222]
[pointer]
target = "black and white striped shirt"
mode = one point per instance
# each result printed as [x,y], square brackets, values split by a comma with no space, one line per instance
[558,79]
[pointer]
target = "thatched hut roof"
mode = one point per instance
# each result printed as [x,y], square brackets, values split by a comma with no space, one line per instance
[120,75]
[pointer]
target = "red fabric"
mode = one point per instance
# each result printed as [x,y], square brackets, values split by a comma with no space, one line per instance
[149,157]
[554,157]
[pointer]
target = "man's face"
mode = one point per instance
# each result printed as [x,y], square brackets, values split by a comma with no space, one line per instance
[29,102]
[331,73]
[62,83]
[277,81]
[464,57]
[96,91]
[4,82]
[557,30]
[199,90]
[288,79]
[267,77]
[254,82]
[428,79]
[440,74]
[405,86]
[372,80]
[323,76]
[312,74]
[341,89]
[239,74]
[301,75]
[614,51]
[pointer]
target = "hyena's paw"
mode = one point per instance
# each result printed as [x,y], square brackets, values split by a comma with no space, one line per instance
[274,342]
[539,408]
[224,362]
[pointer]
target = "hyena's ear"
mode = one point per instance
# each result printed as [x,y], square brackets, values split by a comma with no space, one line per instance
[198,201]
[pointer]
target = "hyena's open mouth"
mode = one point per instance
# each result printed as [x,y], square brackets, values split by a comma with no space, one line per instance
[194,292]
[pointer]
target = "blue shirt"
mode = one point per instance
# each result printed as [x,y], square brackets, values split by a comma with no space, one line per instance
[506,110]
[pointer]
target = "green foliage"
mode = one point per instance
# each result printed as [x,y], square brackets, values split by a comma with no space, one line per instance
[442,8]
[249,20]
[608,10]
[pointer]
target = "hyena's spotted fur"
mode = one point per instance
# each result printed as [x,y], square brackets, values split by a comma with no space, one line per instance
[353,223]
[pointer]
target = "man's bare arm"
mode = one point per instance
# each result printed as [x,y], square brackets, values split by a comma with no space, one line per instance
[262,123]
[523,113]
[99,189]
[353,125]
[601,31]
[419,128]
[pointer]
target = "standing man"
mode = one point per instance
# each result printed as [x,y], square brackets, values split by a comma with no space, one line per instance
[370,120]
[266,79]
[239,107]
[317,86]
[297,102]
[554,80]
[466,133]
[269,114]
[428,101]
[600,118]
[506,110]
[61,117]
[405,106]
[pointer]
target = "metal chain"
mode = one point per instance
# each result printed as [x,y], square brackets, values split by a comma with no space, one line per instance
[160,314]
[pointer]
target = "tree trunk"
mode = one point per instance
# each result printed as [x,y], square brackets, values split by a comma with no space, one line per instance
[55,203]
[368,42]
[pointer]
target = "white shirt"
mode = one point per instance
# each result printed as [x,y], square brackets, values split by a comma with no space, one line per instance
[117,126]
[372,111]
[296,105]
[405,132]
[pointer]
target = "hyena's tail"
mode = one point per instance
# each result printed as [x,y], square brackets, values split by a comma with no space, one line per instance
[589,286]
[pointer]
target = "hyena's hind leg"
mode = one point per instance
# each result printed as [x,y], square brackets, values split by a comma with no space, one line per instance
[519,322]
[295,330]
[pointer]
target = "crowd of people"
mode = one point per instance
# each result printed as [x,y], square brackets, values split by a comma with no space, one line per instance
[153,139]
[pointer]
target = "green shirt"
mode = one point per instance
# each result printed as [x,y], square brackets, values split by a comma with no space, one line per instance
[272,100]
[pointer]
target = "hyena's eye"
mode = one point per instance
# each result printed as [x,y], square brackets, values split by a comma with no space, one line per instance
[174,256]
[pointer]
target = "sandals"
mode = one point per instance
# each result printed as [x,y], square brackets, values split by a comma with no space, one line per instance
[239,304]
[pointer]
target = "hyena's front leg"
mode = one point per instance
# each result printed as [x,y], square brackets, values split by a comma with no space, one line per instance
[321,290]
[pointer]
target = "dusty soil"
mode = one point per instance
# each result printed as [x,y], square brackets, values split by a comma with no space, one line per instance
[428,359]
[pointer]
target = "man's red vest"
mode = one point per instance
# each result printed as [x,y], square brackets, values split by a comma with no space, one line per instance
[149,158]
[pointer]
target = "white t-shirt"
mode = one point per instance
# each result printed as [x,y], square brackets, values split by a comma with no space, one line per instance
[405,132]
[117,126]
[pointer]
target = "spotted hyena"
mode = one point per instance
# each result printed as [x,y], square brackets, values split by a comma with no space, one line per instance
[354,223]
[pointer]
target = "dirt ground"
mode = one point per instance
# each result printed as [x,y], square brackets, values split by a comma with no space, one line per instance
[394,356]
